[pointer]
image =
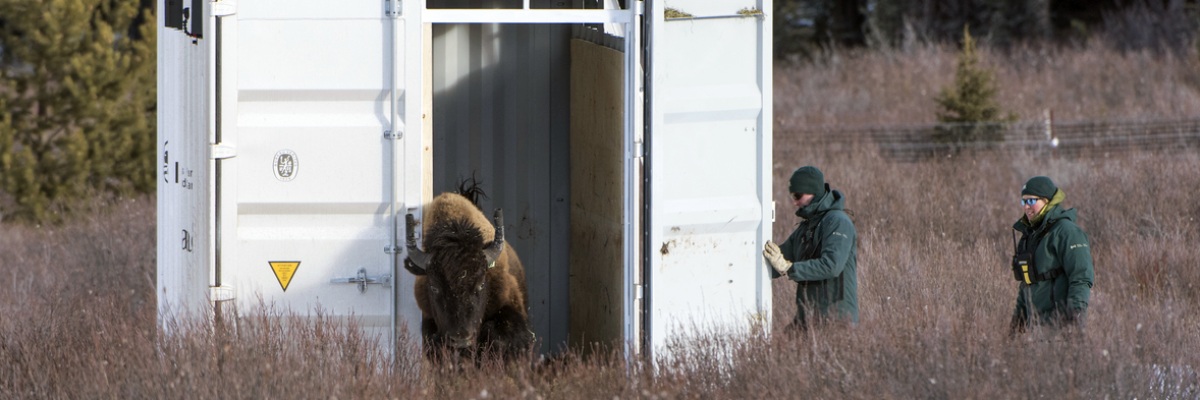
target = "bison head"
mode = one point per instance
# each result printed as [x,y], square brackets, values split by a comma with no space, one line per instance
[454,265]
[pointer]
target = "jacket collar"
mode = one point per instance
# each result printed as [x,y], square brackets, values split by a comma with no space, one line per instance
[830,200]
[1050,214]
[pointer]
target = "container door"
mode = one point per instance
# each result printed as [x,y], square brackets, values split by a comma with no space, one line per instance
[708,168]
[313,171]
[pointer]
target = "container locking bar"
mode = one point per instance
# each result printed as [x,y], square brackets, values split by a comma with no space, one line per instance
[362,279]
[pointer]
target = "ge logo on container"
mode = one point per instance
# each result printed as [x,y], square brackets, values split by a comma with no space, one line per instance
[286,165]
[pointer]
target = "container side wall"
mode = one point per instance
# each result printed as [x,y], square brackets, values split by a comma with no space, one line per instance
[184,192]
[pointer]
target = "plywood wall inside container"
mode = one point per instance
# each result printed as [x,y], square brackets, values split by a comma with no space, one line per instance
[596,259]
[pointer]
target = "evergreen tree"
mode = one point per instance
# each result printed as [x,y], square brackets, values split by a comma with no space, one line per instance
[77,98]
[969,112]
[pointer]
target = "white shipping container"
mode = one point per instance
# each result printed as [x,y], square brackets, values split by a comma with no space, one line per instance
[633,167]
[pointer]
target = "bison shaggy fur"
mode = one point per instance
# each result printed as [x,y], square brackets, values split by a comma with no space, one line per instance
[468,304]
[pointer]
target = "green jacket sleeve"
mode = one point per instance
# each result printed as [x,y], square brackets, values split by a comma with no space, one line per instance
[787,248]
[1076,258]
[1020,318]
[1021,311]
[836,235]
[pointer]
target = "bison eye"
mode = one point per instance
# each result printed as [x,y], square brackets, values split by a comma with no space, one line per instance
[479,288]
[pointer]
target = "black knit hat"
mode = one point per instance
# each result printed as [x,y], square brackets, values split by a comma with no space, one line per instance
[1039,186]
[807,180]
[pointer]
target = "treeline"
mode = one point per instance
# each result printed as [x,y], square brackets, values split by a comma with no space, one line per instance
[77,105]
[805,28]
[78,89]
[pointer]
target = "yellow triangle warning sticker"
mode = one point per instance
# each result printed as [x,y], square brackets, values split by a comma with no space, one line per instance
[284,270]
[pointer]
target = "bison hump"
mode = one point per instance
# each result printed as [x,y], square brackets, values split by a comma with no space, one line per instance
[452,206]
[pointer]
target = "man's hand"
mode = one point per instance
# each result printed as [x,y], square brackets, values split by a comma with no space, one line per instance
[775,258]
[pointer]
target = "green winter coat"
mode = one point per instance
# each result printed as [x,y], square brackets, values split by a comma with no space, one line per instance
[1056,242]
[824,254]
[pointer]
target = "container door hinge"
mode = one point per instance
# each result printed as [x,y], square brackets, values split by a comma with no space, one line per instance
[221,151]
[391,8]
[391,135]
[362,279]
[221,8]
[219,294]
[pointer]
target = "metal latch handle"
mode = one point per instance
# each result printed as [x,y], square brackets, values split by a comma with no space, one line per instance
[362,279]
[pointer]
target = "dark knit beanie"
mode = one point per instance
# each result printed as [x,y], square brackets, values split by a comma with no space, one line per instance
[1039,186]
[807,180]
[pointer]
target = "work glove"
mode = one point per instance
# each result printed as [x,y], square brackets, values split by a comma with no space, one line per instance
[775,258]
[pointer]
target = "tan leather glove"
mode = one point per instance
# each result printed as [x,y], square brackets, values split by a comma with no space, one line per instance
[775,258]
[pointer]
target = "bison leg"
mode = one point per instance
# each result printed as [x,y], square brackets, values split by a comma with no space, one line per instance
[433,341]
[507,333]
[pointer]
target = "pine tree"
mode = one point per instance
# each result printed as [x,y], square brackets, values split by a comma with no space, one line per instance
[969,112]
[77,98]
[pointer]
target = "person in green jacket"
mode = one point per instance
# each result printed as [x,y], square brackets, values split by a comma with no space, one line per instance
[821,255]
[1052,260]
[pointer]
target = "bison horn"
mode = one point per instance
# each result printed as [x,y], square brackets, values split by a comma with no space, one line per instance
[417,260]
[492,251]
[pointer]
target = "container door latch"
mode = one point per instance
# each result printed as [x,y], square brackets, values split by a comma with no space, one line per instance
[362,279]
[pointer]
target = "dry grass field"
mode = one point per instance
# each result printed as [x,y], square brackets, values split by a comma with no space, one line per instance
[77,308]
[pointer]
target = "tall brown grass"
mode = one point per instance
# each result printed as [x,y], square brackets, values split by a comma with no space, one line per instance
[77,309]
[1088,82]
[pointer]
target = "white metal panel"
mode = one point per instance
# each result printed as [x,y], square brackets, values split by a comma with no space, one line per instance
[527,16]
[315,55]
[312,9]
[709,178]
[634,248]
[184,206]
[313,86]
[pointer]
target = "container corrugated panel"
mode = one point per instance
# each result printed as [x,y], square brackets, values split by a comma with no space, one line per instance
[501,115]
[310,187]
[709,168]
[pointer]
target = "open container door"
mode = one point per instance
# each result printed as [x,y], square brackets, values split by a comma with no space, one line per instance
[708,167]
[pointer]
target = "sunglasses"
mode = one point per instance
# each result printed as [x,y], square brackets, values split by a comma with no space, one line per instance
[1029,202]
[796,196]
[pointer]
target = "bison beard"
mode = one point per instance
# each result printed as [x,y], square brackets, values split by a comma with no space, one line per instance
[470,284]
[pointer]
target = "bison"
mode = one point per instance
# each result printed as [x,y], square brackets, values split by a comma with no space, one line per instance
[470,285]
